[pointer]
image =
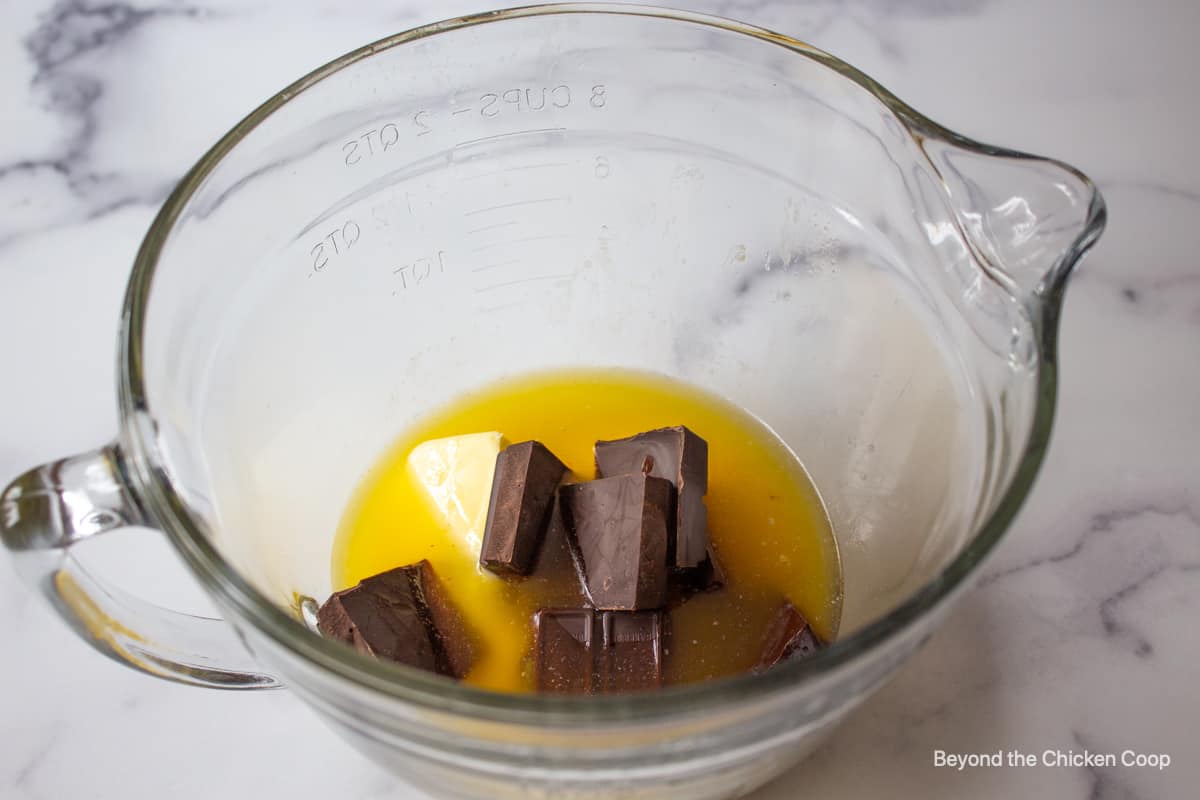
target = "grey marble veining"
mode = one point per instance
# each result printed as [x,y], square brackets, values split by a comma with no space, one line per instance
[1082,632]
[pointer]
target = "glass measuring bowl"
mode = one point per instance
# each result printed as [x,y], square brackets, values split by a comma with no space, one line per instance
[570,186]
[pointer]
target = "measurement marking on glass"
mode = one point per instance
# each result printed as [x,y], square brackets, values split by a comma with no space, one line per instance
[519,281]
[497,265]
[514,205]
[413,274]
[493,227]
[506,135]
[526,240]
[521,168]
[329,248]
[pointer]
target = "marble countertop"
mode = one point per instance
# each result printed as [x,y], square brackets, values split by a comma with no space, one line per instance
[1083,634]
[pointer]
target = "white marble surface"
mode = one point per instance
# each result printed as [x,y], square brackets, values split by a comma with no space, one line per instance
[1084,634]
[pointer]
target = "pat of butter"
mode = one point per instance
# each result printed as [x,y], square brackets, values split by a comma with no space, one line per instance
[455,475]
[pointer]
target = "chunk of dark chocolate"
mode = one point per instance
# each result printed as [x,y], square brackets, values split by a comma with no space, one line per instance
[706,576]
[789,637]
[523,488]
[564,658]
[632,657]
[587,652]
[457,642]
[680,456]
[621,527]
[403,615]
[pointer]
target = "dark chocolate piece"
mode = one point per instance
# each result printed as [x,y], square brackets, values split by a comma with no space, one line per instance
[402,615]
[707,576]
[621,527]
[458,645]
[564,658]
[680,456]
[557,568]
[523,488]
[587,652]
[632,658]
[789,638]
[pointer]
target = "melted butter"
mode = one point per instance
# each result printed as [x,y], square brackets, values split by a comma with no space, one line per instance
[766,520]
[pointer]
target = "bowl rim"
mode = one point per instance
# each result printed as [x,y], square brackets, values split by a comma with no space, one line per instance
[186,529]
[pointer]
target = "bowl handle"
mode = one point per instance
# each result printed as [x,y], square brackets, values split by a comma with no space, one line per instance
[45,511]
